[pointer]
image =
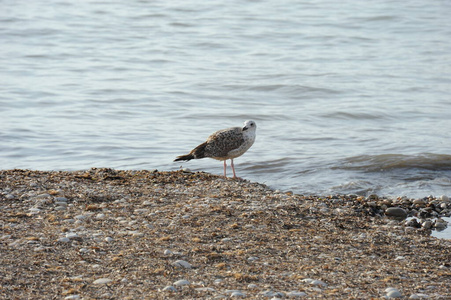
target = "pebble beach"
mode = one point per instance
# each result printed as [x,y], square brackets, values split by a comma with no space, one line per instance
[114,234]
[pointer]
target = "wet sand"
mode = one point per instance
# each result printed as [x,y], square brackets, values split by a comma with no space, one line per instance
[110,234]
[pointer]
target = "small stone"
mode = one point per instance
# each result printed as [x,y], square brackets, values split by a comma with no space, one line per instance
[168,252]
[72,297]
[396,212]
[268,294]
[182,264]
[169,288]
[252,286]
[181,282]
[236,294]
[295,294]
[42,196]
[64,240]
[100,216]
[373,197]
[71,235]
[314,282]
[444,198]
[427,224]
[418,296]
[136,233]
[419,202]
[205,289]
[60,199]
[318,282]
[413,223]
[440,224]
[109,239]
[102,281]
[393,293]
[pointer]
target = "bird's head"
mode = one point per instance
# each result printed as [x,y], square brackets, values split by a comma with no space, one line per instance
[249,125]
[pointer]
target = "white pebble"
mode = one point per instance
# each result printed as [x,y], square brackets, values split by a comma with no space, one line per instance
[238,294]
[167,252]
[393,293]
[169,288]
[109,239]
[100,216]
[418,296]
[294,294]
[181,282]
[314,282]
[72,297]
[205,289]
[102,281]
[182,264]
[60,199]
[252,286]
[64,240]
[71,235]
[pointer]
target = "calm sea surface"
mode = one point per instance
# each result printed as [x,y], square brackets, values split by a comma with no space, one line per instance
[348,96]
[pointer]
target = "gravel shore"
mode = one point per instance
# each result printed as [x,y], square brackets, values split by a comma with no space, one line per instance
[110,234]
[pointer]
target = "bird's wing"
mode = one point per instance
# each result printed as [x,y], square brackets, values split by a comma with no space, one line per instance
[220,143]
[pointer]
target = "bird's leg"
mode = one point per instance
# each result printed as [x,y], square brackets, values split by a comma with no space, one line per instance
[233,168]
[225,167]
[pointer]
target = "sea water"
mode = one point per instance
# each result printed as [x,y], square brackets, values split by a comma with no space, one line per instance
[349,97]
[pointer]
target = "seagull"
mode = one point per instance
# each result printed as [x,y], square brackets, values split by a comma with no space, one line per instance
[225,144]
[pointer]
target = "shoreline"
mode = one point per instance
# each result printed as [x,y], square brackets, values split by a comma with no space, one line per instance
[117,234]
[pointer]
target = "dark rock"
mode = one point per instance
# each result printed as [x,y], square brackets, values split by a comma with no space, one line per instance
[396,212]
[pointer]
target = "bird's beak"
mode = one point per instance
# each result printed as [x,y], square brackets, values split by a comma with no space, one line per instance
[245,128]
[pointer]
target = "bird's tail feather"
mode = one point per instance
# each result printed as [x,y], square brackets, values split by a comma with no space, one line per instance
[196,153]
[184,157]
